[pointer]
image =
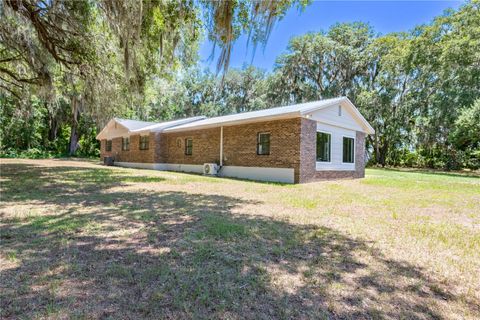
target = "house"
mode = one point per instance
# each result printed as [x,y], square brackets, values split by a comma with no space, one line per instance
[294,144]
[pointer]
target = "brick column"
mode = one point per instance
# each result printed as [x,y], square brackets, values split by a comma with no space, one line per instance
[360,155]
[308,138]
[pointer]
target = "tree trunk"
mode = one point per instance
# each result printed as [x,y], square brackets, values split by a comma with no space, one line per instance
[74,132]
[383,153]
[52,127]
[377,148]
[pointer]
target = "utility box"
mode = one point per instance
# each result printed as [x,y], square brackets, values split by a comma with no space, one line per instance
[210,169]
[108,161]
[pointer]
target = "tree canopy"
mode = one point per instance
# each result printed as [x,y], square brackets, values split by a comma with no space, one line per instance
[67,67]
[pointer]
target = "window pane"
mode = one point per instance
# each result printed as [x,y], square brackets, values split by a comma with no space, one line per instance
[263,144]
[323,146]
[348,150]
[143,142]
[125,144]
[188,146]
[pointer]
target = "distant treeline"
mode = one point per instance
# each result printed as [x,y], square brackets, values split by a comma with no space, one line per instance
[420,90]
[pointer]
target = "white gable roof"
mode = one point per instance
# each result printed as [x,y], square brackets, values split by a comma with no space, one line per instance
[133,124]
[297,110]
[123,127]
[157,127]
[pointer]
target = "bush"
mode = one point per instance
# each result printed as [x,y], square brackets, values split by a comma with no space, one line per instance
[32,153]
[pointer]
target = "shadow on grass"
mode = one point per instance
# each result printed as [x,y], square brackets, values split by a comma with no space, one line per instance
[173,254]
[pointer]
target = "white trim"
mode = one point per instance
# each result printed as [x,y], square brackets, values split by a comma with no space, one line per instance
[367,126]
[158,127]
[140,165]
[354,147]
[196,168]
[343,100]
[329,147]
[323,106]
[285,175]
[145,127]
[233,123]
[286,112]
[336,157]
[221,146]
[318,167]
[337,124]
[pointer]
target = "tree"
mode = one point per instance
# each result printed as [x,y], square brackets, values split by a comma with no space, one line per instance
[465,136]
[445,66]
[323,65]
[102,55]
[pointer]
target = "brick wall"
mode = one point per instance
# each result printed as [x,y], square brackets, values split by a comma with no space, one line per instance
[205,147]
[239,145]
[292,145]
[132,155]
[308,171]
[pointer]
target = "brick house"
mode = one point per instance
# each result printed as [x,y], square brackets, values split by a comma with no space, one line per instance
[295,144]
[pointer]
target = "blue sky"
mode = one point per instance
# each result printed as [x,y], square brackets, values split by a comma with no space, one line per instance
[384,16]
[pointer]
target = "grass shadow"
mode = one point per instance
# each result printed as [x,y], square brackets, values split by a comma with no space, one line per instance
[175,254]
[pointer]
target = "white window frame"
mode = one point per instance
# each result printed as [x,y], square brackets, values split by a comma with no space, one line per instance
[354,144]
[331,138]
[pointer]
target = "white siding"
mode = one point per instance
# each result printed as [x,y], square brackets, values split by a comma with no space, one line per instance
[330,116]
[336,155]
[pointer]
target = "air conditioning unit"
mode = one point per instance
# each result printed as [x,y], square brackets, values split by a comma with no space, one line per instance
[210,169]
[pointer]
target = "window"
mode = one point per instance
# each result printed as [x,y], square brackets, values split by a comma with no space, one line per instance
[108,145]
[188,146]
[339,111]
[323,146]
[126,144]
[348,149]
[263,144]
[143,142]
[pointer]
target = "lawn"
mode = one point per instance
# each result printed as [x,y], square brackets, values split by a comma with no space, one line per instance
[84,241]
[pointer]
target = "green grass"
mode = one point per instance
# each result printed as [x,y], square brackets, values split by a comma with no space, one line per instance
[223,229]
[78,240]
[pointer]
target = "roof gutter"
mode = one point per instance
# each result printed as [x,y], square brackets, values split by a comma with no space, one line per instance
[236,122]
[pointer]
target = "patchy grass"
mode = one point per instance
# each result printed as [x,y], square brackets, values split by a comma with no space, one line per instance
[79,240]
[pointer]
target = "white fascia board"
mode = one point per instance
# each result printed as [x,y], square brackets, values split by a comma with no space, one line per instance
[344,101]
[162,126]
[337,124]
[363,122]
[236,122]
[323,106]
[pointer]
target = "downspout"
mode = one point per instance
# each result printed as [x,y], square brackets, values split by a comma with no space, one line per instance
[221,147]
